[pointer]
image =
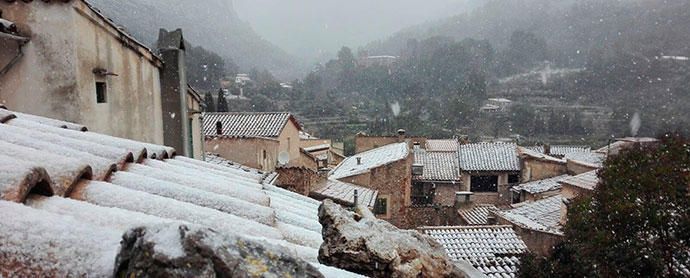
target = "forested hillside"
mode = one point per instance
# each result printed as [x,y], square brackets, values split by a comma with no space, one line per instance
[214,25]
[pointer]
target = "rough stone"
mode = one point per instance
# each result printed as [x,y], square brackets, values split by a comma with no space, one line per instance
[358,242]
[189,251]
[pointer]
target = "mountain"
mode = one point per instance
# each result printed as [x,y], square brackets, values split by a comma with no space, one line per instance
[212,24]
[571,28]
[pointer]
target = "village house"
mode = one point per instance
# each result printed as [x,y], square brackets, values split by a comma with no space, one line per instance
[364,142]
[536,190]
[435,174]
[258,140]
[540,165]
[66,60]
[387,170]
[488,170]
[559,151]
[536,222]
[574,186]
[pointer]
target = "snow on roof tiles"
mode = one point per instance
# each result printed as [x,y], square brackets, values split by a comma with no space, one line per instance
[231,199]
[489,157]
[477,215]
[438,166]
[343,193]
[493,250]
[587,180]
[442,145]
[591,159]
[369,160]
[561,150]
[540,186]
[247,124]
[539,155]
[542,215]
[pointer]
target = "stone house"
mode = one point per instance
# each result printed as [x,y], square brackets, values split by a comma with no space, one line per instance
[488,170]
[68,61]
[536,222]
[539,165]
[537,190]
[387,170]
[435,177]
[255,139]
[574,186]
[365,142]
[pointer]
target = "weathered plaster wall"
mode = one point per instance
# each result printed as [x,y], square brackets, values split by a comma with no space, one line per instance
[364,143]
[246,151]
[193,105]
[534,169]
[289,141]
[575,168]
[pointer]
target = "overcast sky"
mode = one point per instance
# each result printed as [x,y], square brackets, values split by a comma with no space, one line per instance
[312,28]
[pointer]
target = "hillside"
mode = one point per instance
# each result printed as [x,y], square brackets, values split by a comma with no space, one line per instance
[214,25]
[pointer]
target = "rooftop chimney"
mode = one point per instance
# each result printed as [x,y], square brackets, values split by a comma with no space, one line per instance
[356,197]
[359,160]
[401,135]
[547,149]
[463,199]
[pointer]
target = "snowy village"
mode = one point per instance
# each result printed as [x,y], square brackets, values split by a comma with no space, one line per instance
[151,138]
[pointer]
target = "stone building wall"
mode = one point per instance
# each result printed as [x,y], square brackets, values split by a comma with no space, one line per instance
[298,179]
[540,243]
[535,169]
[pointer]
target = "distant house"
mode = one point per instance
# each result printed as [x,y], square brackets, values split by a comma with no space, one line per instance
[536,190]
[385,169]
[537,223]
[582,162]
[578,185]
[380,60]
[257,140]
[559,151]
[538,165]
[364,142]
[489,170]
[435,176]
[492,249]
[67,60]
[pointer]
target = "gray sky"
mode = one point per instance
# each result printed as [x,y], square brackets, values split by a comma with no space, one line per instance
[313,28]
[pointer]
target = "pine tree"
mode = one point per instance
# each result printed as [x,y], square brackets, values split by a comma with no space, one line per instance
[222,101]
[210,105]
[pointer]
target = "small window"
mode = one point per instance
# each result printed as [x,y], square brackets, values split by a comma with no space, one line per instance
[381,206]
[101,92]
[484,184]
[514,178]
[264,154]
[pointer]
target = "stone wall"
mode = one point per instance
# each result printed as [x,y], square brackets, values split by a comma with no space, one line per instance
[536,169]
[298,179]
[540,243]
[575,168]
[430,216]
[364,143]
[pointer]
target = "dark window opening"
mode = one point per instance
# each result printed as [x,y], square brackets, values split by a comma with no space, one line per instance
[516,197]
[219,128]
[381,206]
[423,194]
[484,184]
[514,178]
[101,92]
[265,154]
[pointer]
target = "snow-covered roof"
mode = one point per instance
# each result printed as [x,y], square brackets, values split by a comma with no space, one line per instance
[365,161]
[542,215]
[493,250]
[344,193]
[591,159]
[540,186]
[83,190]
[477,215]
[587,180]
[489,157]
[539,155]
[442,145]
[438,166]
[561,150]
[321,147]
[246,124]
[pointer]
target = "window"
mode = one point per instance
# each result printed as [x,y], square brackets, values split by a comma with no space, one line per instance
[484,184]
[515,178]
[423,194]
[381,206]
[101,92]
[264,152]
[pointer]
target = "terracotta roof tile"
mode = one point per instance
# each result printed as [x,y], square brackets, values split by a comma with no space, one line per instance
[369,160]
[247,124]
[489,157]
[343,193]
[542,215]
[493,250]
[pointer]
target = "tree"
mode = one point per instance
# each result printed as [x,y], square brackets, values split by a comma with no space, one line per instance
[210,105]
[636,223]
[205,68]
[222,101]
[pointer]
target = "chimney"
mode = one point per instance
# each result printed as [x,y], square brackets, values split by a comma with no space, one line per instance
[417,169]
[547,149]
[356,197]
[359,160]
[219,128]
[174,91]
[463,198]
[401,135]
[491,220]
